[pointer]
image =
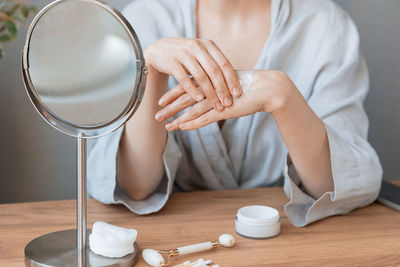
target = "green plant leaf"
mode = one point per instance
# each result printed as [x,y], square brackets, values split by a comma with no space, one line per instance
[26,11]
[11,28]
[5,38]
[15,7]
[18,11]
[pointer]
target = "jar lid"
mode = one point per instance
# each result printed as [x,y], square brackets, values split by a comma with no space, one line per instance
[257,222]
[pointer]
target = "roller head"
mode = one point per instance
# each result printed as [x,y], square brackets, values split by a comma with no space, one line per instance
[226,240]
[153,257]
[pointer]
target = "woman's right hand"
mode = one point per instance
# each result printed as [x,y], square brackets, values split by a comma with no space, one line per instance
[203,61]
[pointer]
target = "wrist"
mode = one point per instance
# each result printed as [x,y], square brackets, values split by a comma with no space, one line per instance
[278,91]
[148,54]
[156,83]
[281,101]
[287,100]
[154,71]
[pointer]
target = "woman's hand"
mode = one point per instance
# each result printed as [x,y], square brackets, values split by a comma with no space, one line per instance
[212,74]
[302,131]
[268,92]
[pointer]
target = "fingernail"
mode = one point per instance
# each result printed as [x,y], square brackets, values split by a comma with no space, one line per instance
[236,92]
[161,102]
[168,126]
[227,101]
[159,116]
[219,106]
[199,97]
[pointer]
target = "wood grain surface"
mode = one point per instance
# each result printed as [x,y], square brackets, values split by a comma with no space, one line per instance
[366,237]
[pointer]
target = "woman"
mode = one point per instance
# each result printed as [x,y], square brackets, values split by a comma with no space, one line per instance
[301,119]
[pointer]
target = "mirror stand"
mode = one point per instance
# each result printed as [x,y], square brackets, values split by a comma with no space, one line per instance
[69,247]
[80,95]
[81,193]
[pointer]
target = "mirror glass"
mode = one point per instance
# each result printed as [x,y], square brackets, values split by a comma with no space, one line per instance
[84,63]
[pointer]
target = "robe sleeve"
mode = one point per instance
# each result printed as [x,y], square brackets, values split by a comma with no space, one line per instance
[340,87]
[102,180]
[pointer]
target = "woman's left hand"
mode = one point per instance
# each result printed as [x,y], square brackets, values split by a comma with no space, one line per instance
[302,131]
[268,92]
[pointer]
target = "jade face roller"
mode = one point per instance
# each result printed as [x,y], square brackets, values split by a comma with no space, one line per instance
[155,258]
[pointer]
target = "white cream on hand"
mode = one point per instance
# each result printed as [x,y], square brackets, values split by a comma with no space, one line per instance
[111,241]
[246,79]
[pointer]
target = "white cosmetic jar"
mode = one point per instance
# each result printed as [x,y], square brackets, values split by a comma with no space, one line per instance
[258,222]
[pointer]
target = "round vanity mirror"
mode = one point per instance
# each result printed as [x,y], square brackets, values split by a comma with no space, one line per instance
[84,71]
[82,66]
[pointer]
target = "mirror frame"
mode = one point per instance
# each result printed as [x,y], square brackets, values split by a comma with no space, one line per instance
[67,127]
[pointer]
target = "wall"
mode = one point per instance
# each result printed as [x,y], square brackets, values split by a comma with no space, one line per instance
[378,24]
[38,163]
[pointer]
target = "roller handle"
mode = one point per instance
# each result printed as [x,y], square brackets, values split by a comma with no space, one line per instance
[195,248]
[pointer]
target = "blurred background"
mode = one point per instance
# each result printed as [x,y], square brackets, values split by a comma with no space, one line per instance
[38,163]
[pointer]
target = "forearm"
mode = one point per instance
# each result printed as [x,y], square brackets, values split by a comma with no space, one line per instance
[139,159]
[307,142]
[301,129]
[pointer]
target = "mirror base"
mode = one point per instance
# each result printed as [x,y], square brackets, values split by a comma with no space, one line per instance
[59,249]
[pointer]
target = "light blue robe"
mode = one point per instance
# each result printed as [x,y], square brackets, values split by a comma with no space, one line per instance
[317,45]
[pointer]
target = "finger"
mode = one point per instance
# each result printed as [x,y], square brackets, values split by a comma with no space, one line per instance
[194,112]
[184,80]
[215,74]
[175,107]
[202,79]
[229,73]
[205,119]
[171,95]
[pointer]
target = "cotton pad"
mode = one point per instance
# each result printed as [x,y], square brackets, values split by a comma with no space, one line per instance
[111,241]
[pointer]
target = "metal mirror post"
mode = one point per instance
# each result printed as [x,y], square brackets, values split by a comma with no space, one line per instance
[84,72]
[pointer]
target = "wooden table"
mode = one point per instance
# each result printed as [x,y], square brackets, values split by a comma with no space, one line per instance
[366,237]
